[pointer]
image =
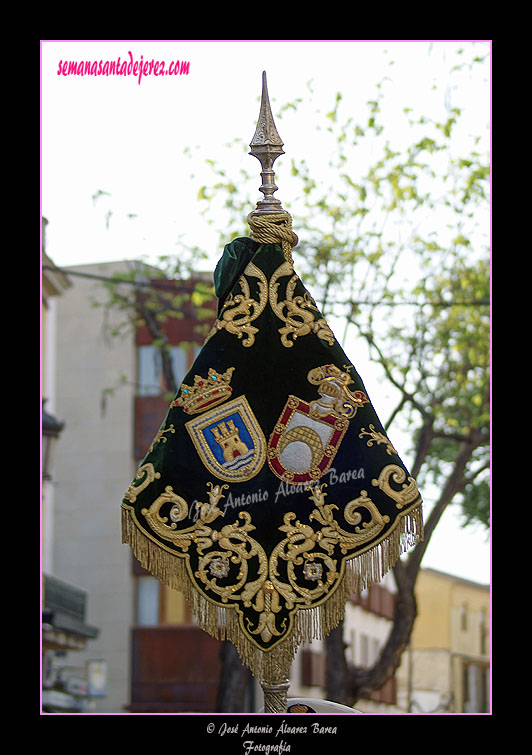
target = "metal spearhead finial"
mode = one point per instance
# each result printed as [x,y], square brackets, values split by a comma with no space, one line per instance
[266,146]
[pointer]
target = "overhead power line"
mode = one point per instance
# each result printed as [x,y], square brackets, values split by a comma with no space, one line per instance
[452,303]
[165,285]
[112,279]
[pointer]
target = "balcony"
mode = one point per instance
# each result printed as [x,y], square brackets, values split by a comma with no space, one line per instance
[63,616]
[175,669]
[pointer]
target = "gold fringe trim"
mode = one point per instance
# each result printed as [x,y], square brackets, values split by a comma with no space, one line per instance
[222,623]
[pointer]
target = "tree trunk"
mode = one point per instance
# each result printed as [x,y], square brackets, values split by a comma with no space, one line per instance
[346,684]
[234,681]
[158,335]
[336,670]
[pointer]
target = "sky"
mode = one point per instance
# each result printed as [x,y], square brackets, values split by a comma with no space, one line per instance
[122,157]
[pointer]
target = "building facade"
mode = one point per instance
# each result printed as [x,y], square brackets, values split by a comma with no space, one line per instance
[65,631]
[447,665]
[93,458]
[367,623]
[112,395]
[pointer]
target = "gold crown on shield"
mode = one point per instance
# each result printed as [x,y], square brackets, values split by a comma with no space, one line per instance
[206,392]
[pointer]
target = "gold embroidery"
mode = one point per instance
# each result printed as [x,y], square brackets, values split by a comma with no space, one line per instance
[300,573]
[306,550]
[239,549]
[206,393]
[299,551]
[294,311]
[297,312]
[378,438]
[178,512]
[333,533]
[160,437]
[199,533]
[229,441]
[408,494]
[306,436]
[148,472]
[241,310]
[332,386]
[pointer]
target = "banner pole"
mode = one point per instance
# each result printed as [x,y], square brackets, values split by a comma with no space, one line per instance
[275,694]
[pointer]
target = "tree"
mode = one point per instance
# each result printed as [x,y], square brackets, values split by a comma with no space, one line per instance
[441,377]
[399,255]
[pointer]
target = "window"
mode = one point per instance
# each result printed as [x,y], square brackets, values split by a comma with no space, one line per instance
[147,601]
[463,617]
[483,631]
[150,368]
[179,363]
[364,650]
[352,647]
[149,361]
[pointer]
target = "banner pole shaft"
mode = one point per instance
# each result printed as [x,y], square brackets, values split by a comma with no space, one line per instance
[275,695]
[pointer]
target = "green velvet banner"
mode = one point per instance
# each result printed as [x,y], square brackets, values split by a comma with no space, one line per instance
[271,490]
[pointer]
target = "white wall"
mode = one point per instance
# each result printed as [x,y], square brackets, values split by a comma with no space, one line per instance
[48,360]
[94,465]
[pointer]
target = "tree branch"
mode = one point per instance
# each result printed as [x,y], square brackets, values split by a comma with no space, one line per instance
[476,473]
[455,483]
[158,334]
[423,444]
[408,396]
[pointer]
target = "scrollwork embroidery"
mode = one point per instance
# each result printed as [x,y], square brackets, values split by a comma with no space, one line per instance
[376,437]
[146,471]
[294,311]
[161,437]
[300,570]
[241,310]
[199,533]
[409,491]
[299,313]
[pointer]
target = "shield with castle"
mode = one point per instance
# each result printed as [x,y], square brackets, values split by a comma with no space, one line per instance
[229,441]
[228,438]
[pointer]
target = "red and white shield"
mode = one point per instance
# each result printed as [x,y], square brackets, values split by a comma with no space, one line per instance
[304,441]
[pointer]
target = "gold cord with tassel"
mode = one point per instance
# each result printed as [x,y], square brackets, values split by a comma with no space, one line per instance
[274,228]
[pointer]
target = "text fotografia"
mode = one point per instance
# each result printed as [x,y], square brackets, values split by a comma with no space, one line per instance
[284,490]
[276,730]
[118,67]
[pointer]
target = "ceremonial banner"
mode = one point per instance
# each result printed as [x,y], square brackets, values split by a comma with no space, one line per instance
[271,491]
